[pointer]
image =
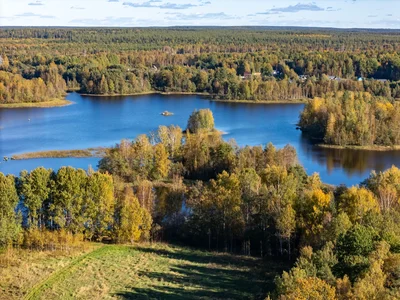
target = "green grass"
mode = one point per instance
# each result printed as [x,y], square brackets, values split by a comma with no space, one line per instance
[157,271]
[51,103]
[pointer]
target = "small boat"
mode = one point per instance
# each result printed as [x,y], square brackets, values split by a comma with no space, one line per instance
[167,113]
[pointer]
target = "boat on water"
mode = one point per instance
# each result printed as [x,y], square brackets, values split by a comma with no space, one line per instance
[167,113]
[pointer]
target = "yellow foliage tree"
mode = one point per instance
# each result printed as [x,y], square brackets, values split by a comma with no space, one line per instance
[357,202]
[134,222]
[310,288]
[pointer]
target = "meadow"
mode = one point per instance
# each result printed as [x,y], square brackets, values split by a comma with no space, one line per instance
[146,271]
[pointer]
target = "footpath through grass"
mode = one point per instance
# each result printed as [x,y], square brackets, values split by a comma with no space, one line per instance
[158,271]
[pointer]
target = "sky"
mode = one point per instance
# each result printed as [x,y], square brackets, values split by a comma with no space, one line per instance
[135,13]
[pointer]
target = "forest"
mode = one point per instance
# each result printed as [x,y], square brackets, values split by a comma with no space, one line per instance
[193,188]
[356,119]
[258,64]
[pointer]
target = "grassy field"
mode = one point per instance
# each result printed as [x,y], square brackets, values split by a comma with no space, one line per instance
[22,269]
[150,271]
[52,103]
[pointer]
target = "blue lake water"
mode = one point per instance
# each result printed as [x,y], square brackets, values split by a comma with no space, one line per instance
[98,121]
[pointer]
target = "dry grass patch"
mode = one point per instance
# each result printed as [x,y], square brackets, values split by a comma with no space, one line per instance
[21,269]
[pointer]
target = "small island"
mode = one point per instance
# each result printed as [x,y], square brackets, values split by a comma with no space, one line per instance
[201,121]
[167,113]
[90,152]
[44,104]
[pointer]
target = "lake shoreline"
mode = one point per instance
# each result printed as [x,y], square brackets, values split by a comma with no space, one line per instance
[261,101]
[77,153]
[364,148]
[208,95]
[44,104]
[147,93]
[65,102]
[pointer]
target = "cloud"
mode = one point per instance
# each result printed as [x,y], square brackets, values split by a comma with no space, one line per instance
[113,1]
[167,5]
[330,8]
[297,8]
[178,6]
[268,13]
[109,21]
[143,4]
[30,14]
[36,3]
[372,16]
[210,16]
[77,7]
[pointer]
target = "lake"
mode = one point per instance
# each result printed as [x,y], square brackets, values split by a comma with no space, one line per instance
[104,121]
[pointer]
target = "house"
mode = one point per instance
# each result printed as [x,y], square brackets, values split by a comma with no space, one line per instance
[248,75]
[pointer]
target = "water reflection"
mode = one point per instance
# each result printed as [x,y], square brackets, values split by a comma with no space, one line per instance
[353,162]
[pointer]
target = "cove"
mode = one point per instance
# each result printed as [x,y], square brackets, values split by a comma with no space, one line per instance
[104,121]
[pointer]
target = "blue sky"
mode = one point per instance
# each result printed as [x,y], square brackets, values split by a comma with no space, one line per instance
[323,13]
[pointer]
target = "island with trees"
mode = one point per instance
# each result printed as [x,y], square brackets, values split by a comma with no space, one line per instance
[348,119]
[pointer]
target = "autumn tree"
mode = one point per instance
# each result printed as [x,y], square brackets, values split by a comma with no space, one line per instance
[357,202]
[68,199]
[35,189]
[133,223]
[99,204]
[161,163]
[9,222]
[202,119]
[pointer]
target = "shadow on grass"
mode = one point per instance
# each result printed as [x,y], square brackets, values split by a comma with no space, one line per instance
[204,275]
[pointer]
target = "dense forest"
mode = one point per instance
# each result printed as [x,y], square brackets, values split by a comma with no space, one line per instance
[348,118]
[192,187]
[226,63]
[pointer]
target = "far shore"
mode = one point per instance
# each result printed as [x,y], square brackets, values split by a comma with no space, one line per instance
[90,152]
[64,102]
[146,93]
[45,104]
[262,101]
[202,94]
[364,148]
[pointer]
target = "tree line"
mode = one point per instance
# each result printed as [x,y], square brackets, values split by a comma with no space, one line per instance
[347,118]
[128,61]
